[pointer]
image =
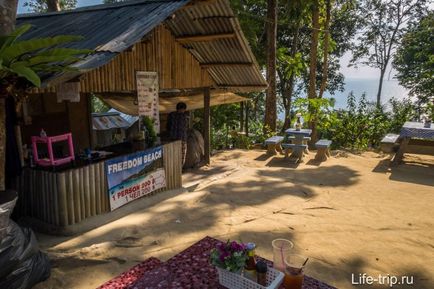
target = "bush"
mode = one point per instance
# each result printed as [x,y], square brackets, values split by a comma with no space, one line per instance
[363,125]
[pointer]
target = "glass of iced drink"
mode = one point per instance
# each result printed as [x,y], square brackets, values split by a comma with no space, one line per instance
[294,273]
[281,249]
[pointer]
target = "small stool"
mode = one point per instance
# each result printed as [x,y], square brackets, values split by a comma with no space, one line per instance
[323,149]
[273,144]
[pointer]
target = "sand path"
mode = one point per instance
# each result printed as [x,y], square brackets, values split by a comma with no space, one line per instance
[350,215]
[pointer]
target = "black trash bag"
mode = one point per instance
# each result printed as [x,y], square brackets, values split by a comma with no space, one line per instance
[17,246]
[27,274]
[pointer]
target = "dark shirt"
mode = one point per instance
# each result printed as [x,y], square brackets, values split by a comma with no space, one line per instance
[177,125]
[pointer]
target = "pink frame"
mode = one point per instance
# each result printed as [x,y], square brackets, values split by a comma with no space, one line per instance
[49,140]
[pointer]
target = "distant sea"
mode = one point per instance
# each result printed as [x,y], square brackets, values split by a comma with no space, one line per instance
[369,86]
[358,86]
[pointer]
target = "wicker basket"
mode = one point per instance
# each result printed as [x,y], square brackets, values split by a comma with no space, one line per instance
[236,281]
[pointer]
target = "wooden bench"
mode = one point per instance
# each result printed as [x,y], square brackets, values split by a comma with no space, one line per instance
[323,149]
[297,151]
[273,144]
[389,143]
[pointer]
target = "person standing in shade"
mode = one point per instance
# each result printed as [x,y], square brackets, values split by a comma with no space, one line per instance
[177,126]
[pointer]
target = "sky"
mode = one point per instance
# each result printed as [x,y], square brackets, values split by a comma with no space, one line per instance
[363,72]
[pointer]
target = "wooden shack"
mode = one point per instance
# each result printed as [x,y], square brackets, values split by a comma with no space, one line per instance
[196,48]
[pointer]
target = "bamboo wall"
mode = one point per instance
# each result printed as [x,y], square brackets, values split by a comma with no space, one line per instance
[177,68]
[66,198]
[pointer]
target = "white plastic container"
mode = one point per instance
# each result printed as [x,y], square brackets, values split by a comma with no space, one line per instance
[237,281]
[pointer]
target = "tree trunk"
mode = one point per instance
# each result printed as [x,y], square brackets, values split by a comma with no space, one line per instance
[326,50]
[247,119]
[291,81]
[313,66]
[380,87]
[241,116]
[8,13]
[270,102]
[313,50]
[53,5]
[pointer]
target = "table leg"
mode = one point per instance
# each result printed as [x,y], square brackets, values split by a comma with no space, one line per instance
[297,154]
[306,151]
[279,148]
[271,149]
[400,153]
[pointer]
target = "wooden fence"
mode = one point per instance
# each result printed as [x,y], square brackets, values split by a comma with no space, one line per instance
[68,197]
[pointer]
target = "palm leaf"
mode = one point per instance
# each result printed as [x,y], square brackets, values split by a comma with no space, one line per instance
[23,47]
[27,73]
[11,38]
[64,51]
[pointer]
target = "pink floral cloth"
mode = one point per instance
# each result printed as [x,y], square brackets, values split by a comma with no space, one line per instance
[190,269]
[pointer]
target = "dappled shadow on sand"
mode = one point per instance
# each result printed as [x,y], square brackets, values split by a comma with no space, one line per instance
[198,211]
[351,270]
[282,162]
[417,172]
[264,157]
[336,175]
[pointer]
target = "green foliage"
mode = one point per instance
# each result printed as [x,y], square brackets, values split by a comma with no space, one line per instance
[98,105]
[414,59]
[30,58]
[316,109]
[150,134]
[41,5]
[362,125]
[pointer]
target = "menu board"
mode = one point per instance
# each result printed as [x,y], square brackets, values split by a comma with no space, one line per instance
[147,96]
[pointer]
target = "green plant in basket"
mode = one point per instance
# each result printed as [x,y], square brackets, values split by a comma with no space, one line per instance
[231,256]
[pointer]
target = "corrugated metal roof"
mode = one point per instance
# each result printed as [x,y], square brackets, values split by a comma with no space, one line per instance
[217,17]
[110,120]
[131,119]
[111,28]
[108,29]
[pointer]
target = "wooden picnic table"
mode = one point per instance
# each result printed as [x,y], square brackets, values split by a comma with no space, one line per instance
[411,130]
[188,269]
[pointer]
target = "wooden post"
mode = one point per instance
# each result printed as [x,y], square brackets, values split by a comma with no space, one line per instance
[247,119]
[207,124]
[241,116]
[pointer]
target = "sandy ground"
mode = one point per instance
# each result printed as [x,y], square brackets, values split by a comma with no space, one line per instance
[350,215]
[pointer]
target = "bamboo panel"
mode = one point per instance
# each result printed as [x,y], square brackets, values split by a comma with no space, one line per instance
[76,195]
[86,180]
[82,194]
[63,214]
[70,197]
[103,188]
[47,198]
[92,190]
[173,165]
[55,199]
[176,66]
[98,193]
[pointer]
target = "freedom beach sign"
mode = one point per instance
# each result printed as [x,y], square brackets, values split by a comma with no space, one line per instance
[133,176]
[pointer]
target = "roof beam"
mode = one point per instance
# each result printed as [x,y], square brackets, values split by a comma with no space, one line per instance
[204,37]
[226,64]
